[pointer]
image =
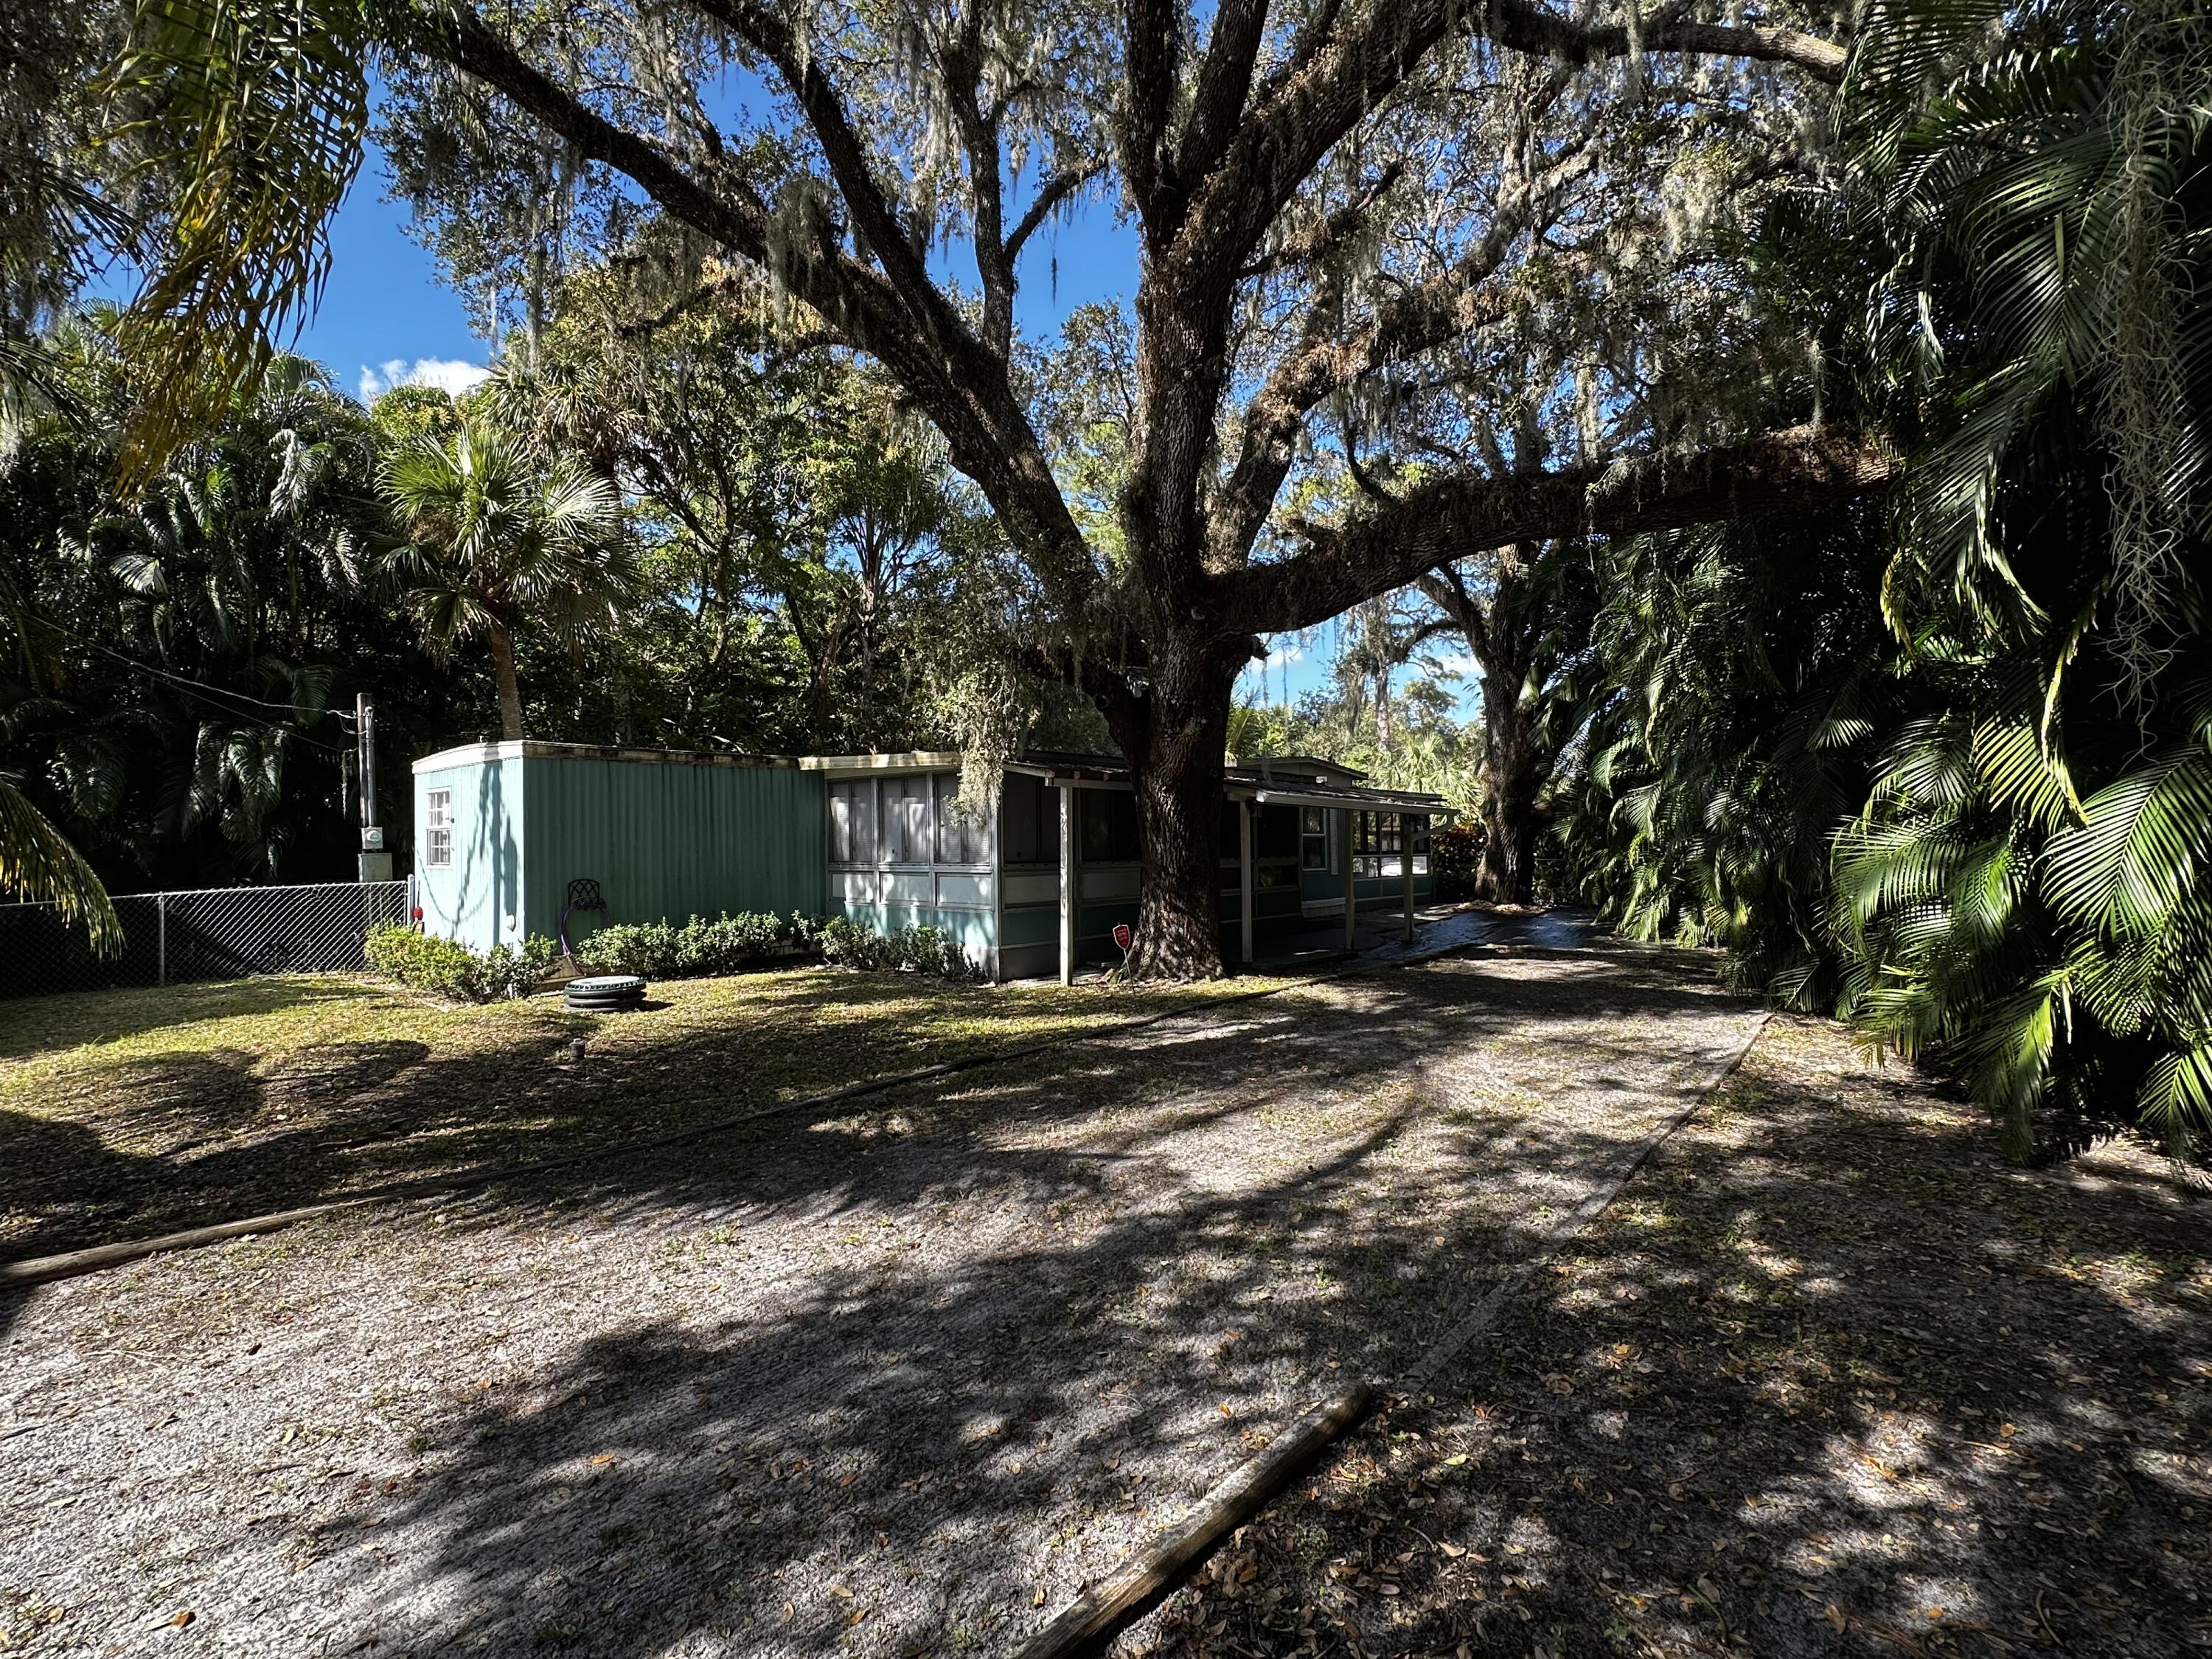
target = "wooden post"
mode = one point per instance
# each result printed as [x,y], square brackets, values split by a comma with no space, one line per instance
[1244,876]
[1351,882]
[1406,865]
[1087,1626]
[1066,883]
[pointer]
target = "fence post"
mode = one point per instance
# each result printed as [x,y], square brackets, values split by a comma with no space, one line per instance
[162,938]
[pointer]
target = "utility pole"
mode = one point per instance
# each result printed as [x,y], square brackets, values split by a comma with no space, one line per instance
[375,862]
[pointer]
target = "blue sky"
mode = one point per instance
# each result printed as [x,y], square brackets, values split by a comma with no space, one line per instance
[385,315]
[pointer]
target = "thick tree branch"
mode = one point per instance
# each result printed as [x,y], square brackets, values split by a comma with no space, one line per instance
[1152,51]
[1523,26]
[1057,189]
[918,338]
[874,216]
[1443,588]
[1360,66]
[1225,77]
[1329,233]
[962,71]
[1455,302]
[1444,519]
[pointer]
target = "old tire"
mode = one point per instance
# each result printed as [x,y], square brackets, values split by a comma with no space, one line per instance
[604,993]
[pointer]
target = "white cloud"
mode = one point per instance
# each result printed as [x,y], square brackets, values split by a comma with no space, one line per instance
[1288,653]
[1461,665]
[449,374]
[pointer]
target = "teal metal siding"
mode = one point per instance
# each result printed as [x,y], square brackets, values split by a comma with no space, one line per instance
[473,899]
[668,840]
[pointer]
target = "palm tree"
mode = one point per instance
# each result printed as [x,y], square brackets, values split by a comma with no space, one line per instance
[2030,884]
[39,866]
[498,537]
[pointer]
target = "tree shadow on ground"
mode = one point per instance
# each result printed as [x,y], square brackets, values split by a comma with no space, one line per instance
[896,1445]
[218,1135]
[1828,1380]
[946,1348]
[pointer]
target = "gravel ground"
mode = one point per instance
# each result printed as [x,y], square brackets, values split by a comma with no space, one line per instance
[899,1381]
[1828,1379]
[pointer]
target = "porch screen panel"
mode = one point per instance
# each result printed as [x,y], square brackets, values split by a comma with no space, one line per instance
[961,839]
[852,822]
[905,821]
[1031,815]
[1107,826]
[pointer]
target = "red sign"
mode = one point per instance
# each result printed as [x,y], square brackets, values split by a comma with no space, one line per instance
[1122,936]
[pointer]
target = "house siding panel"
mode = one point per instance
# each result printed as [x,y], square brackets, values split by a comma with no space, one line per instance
[472,898]
[666,841]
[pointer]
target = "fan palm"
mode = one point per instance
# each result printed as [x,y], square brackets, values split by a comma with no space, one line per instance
[497,539]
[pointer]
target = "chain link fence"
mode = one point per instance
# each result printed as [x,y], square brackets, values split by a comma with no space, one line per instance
[214,933]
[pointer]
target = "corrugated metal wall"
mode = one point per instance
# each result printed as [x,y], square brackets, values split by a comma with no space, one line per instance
[666,840]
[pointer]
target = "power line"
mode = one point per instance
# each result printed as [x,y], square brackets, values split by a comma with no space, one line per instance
[203,686]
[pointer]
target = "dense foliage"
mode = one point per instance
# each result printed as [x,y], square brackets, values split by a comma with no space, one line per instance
[180,665]
[696,948]
[846,944]
[1950,767]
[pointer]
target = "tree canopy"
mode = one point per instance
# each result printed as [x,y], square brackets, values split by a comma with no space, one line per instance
[1359,229]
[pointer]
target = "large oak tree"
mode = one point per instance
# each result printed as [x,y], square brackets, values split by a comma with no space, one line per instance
[1330,199]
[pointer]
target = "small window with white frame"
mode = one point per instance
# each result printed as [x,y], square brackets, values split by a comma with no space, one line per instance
[438,829]
[1317,846]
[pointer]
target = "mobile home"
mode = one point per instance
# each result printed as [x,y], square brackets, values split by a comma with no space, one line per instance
[511,838]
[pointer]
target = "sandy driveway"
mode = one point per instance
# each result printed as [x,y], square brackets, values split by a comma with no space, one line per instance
[899,1381]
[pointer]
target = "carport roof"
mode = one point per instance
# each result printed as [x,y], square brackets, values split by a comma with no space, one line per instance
[1291,780]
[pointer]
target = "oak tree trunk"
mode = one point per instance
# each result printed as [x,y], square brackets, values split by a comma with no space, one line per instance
[1176,752]
[1513,767]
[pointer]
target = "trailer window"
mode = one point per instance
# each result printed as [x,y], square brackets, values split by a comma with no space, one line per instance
[438,829]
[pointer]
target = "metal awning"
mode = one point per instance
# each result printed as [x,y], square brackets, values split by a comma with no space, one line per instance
[1369,800]
[1241,783]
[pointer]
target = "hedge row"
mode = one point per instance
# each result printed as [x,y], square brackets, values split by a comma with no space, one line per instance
[449,969]
[658,950]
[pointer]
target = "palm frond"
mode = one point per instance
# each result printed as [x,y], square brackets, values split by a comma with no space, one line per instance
[39,866]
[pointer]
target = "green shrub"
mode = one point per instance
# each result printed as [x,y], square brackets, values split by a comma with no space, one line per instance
[447,969]
[700,948]
[845,943]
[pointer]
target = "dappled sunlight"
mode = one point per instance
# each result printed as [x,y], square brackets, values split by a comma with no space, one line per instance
[1783,1398]
[280,1093]
[904,1371]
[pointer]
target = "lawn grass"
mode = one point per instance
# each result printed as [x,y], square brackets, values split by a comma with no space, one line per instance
[127,1113]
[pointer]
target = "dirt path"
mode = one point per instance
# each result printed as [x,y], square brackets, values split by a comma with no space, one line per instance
[896,1382]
